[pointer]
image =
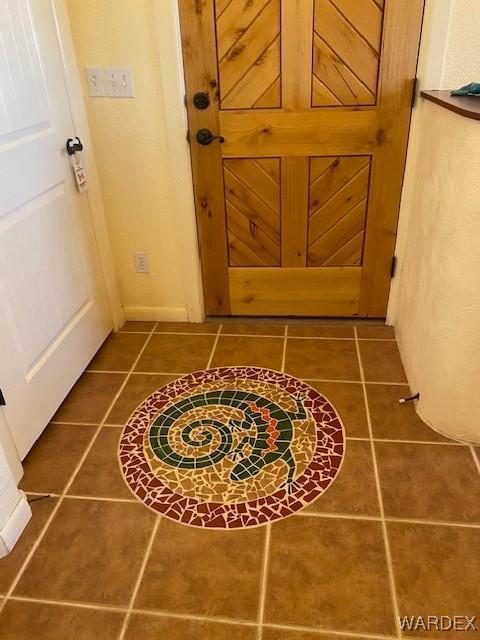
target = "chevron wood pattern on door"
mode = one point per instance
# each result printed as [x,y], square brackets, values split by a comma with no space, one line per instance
[252,203]
[337,210]
[248,53]
[346,52]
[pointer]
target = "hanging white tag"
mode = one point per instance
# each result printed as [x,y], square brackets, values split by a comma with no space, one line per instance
[79,172]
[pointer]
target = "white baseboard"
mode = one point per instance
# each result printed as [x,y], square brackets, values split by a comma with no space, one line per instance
[15,525]
[159,314]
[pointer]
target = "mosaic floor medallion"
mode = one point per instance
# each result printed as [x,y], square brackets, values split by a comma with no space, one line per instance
[232,447]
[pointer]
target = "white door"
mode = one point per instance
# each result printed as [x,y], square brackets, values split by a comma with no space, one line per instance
[53,307]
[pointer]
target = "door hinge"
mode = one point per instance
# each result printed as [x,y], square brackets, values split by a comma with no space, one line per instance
[414,92]
[2,399]
[393,268]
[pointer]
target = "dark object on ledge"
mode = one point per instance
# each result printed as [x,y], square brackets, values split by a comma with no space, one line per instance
[467,106]
[472,89]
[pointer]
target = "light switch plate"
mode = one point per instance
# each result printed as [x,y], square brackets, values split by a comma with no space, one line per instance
[96,86]
[119,82]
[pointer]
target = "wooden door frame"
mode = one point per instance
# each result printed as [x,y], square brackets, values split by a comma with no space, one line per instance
[81,129]
[199,34]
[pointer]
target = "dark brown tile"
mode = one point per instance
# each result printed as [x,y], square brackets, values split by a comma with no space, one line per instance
[211,573]
[118,352]
[255,352]
[134,325]
[329,573]
[91,553]
[394,421]
[152,628]
[373,331]
[176,353]
[100,473]
[90,398]
[354,490]
[429,481]
[281,634]
[381,361]
[254,328]
[28,620]
[349,401]
[329,359]
[187,327]
[53,458]
[320,331]
[436,571]
[11,564]
[138,387]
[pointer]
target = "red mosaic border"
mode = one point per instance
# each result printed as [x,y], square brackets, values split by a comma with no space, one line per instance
[149,489]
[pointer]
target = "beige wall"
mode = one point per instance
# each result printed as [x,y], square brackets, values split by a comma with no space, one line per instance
[143,170]
[435,299]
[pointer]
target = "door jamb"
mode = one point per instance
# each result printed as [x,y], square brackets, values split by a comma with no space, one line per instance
[81,128]
[170,61]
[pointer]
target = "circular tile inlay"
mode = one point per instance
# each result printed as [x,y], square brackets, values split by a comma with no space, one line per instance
[231,447]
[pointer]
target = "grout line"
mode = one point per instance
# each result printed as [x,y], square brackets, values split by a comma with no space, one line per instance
[72,496]
[270,335]
[298,514]
[106,371]
[284,352]
[449,443]
[440,523]
[263,581]
[184,373]
[198,618]
[327,632]
[136,332]
[160,373]
[217,337]
[76,424]
[341,516]
[71,480]
[353,516]
[268,534]
[67,603]
[388,555]
[475,456]
[139,578]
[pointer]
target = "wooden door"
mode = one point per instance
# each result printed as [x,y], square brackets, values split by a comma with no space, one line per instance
[297,209]
[54,313]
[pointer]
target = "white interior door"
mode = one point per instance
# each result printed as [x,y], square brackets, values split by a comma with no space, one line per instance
[54,312]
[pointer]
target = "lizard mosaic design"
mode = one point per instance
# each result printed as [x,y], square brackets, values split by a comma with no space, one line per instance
[272,440]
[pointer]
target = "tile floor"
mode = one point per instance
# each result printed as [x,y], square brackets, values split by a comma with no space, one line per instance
[398,531]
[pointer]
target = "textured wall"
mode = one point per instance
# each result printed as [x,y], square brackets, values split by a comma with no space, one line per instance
[462,59]
[435,300]
[129,137]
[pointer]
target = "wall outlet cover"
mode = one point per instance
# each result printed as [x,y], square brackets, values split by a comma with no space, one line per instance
[119,82]
[141,261]
[95,83]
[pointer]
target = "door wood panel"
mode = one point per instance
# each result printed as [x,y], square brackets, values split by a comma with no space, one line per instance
[252,198]
[297,209]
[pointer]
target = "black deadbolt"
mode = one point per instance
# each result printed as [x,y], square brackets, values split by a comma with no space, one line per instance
[201,100]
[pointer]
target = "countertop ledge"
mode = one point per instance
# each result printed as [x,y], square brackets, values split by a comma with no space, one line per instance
[466,106]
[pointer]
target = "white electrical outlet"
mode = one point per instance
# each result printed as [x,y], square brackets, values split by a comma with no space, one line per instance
[119,82]
[142,263]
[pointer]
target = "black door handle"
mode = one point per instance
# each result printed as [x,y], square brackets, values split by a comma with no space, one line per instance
[205,136]
[73,145]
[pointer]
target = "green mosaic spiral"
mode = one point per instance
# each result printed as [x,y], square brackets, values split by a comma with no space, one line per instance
[272,439]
